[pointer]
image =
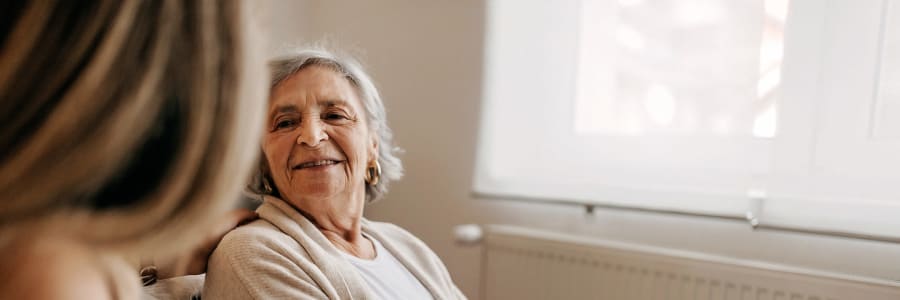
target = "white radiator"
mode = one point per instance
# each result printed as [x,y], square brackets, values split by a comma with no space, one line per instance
[528,264]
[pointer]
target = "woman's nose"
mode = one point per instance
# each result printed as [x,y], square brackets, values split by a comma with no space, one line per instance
[312,133]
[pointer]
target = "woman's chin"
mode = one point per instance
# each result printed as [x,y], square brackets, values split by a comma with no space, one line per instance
[316,188]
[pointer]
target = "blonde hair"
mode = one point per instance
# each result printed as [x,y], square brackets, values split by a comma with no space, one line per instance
[127,123]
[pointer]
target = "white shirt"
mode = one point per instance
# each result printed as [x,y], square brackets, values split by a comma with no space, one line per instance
[386,276]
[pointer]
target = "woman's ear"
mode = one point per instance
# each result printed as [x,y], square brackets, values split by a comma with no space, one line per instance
[373,147]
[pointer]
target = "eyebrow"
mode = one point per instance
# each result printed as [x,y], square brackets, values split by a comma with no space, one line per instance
[283,109]
[334,102]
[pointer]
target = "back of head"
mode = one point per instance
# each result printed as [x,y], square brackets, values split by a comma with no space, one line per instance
[126,121]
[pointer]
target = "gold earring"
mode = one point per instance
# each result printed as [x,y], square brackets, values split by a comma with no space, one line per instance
[373,173]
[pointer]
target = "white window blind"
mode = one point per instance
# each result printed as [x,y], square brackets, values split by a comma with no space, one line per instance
[837,165]
[698,106]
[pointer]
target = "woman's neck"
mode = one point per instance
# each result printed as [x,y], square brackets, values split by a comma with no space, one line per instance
[354,244]
[340,220]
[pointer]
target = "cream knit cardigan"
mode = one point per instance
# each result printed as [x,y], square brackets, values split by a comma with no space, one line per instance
[284,256]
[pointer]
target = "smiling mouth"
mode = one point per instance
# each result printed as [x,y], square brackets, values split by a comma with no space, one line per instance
[318,163]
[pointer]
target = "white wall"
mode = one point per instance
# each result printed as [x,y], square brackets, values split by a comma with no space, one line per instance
[426,58]
[287,23]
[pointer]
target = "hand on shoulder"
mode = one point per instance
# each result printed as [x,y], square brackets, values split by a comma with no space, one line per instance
[194,262]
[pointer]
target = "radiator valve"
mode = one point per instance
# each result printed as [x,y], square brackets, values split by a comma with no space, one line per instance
[468,234]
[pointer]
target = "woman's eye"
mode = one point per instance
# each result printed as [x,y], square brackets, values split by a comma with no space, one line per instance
[336,116]
[285,124]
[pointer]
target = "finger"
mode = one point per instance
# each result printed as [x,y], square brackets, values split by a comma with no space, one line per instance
[231,220]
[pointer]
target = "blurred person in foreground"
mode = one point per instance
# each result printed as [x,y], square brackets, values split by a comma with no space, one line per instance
[125,129]
[327,152]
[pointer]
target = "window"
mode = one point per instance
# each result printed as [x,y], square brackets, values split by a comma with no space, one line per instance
[788,109]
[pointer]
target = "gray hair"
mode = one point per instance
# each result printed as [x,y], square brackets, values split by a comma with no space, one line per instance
[286,66]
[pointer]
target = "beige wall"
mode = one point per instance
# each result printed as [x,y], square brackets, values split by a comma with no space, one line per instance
[287,23]
[426,58]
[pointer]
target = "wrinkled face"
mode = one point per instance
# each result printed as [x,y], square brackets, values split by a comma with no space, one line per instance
[317,140]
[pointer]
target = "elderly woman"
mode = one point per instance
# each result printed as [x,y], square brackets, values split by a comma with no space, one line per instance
[327,151]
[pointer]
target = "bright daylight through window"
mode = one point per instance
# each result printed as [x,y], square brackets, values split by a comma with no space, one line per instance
[679,67]
[697,106]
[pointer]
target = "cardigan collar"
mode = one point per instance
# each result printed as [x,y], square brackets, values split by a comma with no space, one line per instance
[323,254]
[328,258]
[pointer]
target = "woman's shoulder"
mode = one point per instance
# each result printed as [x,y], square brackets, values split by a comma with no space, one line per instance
[258,260]
[48,267]
[258,242]
[254,236]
